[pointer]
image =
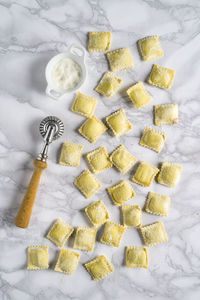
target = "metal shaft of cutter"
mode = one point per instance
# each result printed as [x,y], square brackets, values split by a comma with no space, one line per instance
[48,138]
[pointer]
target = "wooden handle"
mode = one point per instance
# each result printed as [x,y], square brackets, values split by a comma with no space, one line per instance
[25,210]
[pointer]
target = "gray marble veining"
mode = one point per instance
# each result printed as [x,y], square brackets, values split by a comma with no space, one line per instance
[31,32]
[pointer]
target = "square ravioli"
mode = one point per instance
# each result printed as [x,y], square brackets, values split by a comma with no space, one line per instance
[99,267]
[166,114]
[150,48]
[37,258]
[67,261]
[118,123]
[152,139]
[87,183]
[145,174]
[169,174]
[154,234]
[99,41]
[157,204]
[112,234]
[70,155]
[97,213]
[84,105]
[161,77]
[60,232]
[122,159]
[85,238]
[108,85]
[121,192]
[92,129]
[132,215]
[99,160]
[138,95]
[136,257]
[120,59]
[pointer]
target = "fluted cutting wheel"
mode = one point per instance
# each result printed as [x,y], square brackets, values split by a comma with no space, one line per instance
[52,121]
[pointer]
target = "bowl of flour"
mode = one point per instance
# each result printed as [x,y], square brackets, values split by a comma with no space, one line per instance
[66,72]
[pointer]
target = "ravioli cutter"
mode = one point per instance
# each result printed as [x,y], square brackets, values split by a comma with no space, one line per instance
[51,128]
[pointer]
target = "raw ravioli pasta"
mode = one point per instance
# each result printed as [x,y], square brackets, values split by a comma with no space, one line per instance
[112,234]
[145,174]
[97,213]
[157,204]
[136,257]
[99,267]
[138,95]
[121,192]
[132,215]
[120,59]
[169,174]
[37,258]
[60,232]
[150,48]
[118,123]
[85,238]
[152,139]
[122,159]
[108,85]
[84,105]
[99,41]
[67,261]
[87,183]
[154,234]
[166,114]
[92,129]
[161,77]
[99,160]
[70,155]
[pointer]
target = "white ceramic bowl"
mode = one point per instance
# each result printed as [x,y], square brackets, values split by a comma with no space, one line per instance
[77,54]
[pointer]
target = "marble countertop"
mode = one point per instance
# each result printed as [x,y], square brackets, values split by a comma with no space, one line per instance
[31,33]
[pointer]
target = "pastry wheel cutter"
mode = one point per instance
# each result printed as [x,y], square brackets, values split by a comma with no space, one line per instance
[51,128]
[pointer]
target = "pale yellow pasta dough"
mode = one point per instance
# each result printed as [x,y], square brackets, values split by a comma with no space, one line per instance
[157,204]
[60,232]
[112,234]
[150,48]
[122,159]
[84,105]
[99,41]
[97,213]
[138,95]
[99,267]
[70,154]
[161,77]
[132,215]
[169,174]
[118,123]
[136,257]
[85,238]
[121,192]
[37,258]
[152,139]
[67,261]
[145,174]
[154,234]
[92,129]
[87,183]
[108,85]
[166,114]
[120,59]
[99,160]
